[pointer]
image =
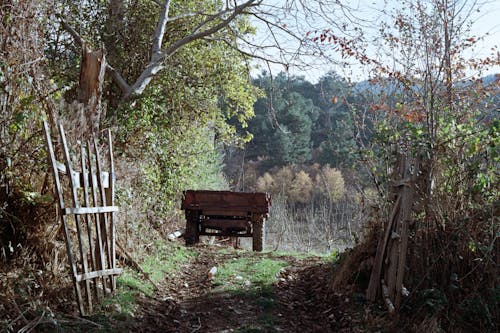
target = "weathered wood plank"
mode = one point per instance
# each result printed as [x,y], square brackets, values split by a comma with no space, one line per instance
[373,285]
[97,217]
[111,201]
[87,216]
[406,208]
[101,273]
[104,217]
[226,200]
[90,210]
[226,225]
[74,195]
[219,212]
[69,245]
[79,177]
[209,233]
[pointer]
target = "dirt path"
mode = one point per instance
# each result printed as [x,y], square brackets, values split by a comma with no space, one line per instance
[298,300]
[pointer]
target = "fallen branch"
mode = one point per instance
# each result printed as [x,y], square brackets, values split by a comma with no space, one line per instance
[136,265]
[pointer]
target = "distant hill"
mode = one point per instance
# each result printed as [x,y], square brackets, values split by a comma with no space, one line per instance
[391,87]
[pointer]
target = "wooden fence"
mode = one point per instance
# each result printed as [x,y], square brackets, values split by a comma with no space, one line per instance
[86,201]
[387,277]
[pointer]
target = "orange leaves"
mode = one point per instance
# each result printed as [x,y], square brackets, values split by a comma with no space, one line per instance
[399,22]
[400,112]
[378,107]
[346,47]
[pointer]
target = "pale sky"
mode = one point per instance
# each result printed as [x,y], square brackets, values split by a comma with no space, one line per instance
[486,24]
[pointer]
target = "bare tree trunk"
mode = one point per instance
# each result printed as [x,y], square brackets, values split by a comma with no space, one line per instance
[92,70]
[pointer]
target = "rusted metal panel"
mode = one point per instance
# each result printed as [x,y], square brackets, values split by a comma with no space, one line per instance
[255,202]
[225,213]
[226,224]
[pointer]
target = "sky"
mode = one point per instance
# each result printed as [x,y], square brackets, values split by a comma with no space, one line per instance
[486,24]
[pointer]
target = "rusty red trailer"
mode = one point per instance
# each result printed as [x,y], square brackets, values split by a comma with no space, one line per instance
[226,213]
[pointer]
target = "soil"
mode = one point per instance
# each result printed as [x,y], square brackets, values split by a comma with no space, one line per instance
[300,301]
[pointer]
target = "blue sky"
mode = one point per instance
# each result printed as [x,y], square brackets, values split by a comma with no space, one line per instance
[486,24]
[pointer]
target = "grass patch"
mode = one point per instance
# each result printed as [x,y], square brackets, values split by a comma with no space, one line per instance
[248,273]
[252,279]
[131,280]
[165,259]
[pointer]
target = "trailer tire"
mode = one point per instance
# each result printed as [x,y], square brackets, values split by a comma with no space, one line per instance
[258,234]
[192,235]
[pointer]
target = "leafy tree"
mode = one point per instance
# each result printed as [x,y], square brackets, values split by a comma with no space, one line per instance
[301,188]
[178,85]
[429,108]
[283,124]
[333,133]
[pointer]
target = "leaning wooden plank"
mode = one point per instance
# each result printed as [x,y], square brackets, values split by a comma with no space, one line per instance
[86,202]
[74,193]
[90,210]
[93,186]
[406,208]
[104,219]
[101,273]
[111,202]
[69,245]
[372,290]
[392,260]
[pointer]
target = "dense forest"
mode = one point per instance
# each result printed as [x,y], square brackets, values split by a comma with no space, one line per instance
[392,178]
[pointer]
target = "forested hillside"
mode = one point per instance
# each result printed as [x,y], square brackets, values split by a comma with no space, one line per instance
[383,168]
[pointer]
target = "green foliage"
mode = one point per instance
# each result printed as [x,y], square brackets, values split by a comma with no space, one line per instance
[283,124]
[477,309]
[174,131]
[434,299]
[299,123]
[164,259]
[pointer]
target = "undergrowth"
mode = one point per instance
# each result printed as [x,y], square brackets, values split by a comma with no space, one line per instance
[163,260]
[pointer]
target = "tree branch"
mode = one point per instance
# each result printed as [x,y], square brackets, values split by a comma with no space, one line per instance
[119,80]
[160,31]
[78,39]
[156,63]
[245,53]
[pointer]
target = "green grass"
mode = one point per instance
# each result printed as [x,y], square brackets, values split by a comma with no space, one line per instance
[252,279]
[165,259]
[248,273]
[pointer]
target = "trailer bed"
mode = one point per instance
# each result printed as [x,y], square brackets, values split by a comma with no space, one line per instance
[226,213]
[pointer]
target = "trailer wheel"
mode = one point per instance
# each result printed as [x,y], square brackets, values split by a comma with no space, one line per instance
[192,235]
[258,239]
